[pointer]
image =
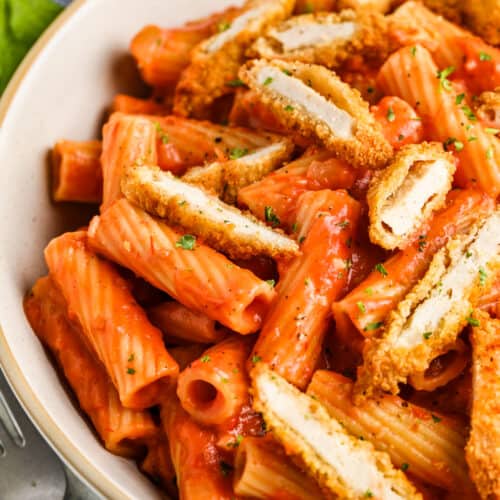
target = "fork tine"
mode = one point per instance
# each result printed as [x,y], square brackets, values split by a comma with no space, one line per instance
[11,426]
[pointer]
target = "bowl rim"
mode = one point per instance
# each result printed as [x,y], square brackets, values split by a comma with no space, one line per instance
[98,482]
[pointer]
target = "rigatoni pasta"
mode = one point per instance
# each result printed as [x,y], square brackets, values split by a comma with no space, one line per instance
[280,246]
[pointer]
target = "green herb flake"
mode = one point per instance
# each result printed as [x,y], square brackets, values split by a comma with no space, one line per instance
[130,371]
[483,56]
[492,131]
[489,153]
[482,276]
[268,80]
[186,242]
[435,418]
[295,227]
[381,269]
[223,26]
[236,153]
[472,321]
[468,113]
[361,307]
[368,494]
[205,359]
[413,51]
[459,98]
[270,216]
[391,116]
[405,466]
[373,326]
[427,335]
[343,224]
[422,243]
[472,138]
[287,72]
[302,239]
[256,359]
[443,78]
[271,283]
[288,107]
[131,358]
[369,291]
[236,83]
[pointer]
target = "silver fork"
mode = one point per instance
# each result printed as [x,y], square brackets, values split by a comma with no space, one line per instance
[29,469]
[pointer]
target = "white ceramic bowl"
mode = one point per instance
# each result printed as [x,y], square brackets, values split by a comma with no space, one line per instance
[61,91]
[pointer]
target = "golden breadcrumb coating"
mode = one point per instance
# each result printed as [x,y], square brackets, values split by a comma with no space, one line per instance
[221,226]
[483,449]
[216,60]
[483,18]
[451,9]
[488,107]
[342,464]
[225,179]
[406,193]
[381,6]
[428,321]
[324,38]
[315,102]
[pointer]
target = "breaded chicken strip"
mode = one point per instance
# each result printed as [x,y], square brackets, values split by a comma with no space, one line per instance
[342,464]
[215,61]
[427,322]
[221,226]
[226,178]
[483,18]
[407,192]
[483,449]
[314,101]
[325,38]
[488,108]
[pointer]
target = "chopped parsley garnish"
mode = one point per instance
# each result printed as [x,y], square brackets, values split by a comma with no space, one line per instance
[482,276]
[472,138]
[405,466]
[413,51]
[381,269]
[288,107]
[236,442]
[373,326]
[256,358]
[236,153]
[369,291]
[483,56]
[223,26]
[468,113]
[164,138]
[391,116]
[301,239]
[368,494]
[492,131]
[452,141]
[348,263]
[271,216]
[489,153]
[130,371]
[295,227]
[268,80]
[187,242]
[343,224]
[443,78]
[235,83]
[271,282]
[205,358]
[459,98]
[435,418]
[225,468]
[427,335]
[361,307]
[287,72]
[472,321]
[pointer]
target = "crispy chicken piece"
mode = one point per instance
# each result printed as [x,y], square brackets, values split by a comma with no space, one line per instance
[427,322]
[483,449]
[406,193]
[488,108]
[483,18]
[215,61]
[342,464]
[381,6]
[450,9]
[221,226]
[226,178]
[314,101]
[325,38]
